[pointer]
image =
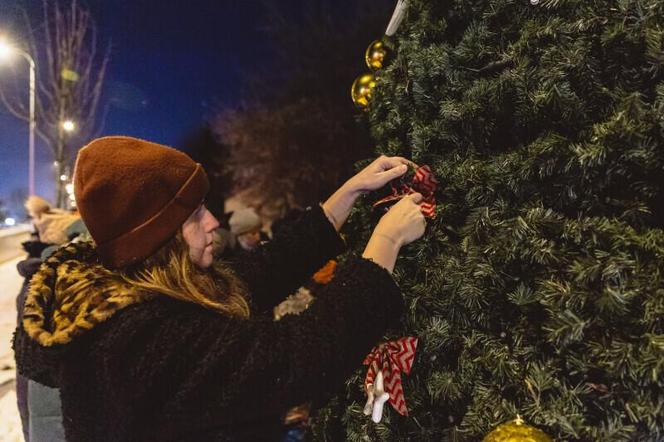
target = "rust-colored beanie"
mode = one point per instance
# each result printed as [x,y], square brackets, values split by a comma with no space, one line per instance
[133,195]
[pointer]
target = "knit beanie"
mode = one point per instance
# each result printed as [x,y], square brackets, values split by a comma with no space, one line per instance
[134,195]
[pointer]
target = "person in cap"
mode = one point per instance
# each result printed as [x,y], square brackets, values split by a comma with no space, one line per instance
[149,338]
[245,225]
[50,224]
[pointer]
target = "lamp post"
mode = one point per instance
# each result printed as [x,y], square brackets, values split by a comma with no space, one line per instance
[5,50]
[67,128]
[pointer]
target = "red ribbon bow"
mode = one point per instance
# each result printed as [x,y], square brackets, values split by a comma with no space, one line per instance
[392,358]
[423,182]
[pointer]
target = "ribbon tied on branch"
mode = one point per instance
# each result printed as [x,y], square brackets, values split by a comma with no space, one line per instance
[424,182]
[383,381]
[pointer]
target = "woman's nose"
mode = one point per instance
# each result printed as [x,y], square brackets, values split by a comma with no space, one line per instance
[213,223]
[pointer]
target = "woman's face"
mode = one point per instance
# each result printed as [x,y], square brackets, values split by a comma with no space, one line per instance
[198,232]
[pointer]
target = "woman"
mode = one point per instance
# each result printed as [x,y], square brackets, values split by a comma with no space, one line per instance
[148,339]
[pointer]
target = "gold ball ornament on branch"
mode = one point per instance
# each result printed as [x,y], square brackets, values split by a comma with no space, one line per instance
[516,431]
[376,55]
[362,90]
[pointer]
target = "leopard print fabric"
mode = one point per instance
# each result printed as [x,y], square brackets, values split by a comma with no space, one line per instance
[71,293]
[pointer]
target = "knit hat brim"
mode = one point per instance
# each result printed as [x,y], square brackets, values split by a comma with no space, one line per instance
[144,240]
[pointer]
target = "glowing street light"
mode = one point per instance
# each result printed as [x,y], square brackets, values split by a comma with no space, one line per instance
[6,51]
[68,125]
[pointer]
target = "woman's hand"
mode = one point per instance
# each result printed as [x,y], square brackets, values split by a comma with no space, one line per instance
[380,172]
[377,174]
[402,224]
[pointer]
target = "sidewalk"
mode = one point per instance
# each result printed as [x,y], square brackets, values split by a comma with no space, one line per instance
[10,284]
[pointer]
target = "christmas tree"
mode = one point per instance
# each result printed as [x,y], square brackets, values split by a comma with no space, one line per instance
[538,288]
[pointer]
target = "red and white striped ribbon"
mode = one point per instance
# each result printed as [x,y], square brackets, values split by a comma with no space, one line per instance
[392,358]
[423,182]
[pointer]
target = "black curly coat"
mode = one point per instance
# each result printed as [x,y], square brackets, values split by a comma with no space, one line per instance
[169,370]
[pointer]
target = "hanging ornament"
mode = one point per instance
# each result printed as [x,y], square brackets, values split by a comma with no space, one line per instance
[516,431]
[375,59]
[362,89]
[376,398]
[397,17]
[376,55]
[534,2]
[383,381]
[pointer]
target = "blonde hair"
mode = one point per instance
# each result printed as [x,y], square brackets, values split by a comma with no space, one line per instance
[170,271]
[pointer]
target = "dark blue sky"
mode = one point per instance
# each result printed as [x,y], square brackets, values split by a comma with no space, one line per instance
[171,67]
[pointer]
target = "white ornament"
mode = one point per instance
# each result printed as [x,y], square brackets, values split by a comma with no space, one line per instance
[397,17]
[376,398]
[368,407]
[534,2]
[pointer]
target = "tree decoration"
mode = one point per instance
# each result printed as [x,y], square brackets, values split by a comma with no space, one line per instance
[397,17]
[516,431]
[387,361]
[422,181]
[376,55]
[376,398]
[362,89]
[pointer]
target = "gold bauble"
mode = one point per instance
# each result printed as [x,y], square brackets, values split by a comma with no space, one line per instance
[376,54]
[361,91]
[516,431]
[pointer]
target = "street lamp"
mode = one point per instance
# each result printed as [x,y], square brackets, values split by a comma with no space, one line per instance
[7,50]
[68,126]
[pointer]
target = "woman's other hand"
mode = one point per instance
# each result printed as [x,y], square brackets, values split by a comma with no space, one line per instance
[404,222]
[401,225]
[377,174]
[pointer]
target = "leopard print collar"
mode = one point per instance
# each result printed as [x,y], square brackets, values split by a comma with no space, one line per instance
[73,292]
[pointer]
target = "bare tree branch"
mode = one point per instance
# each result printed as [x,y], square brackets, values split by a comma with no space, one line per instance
[18,112]
[70,78]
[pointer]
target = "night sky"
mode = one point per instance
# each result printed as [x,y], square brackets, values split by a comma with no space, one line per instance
[171,67]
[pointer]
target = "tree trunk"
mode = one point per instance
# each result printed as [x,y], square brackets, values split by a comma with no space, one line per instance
[60,194]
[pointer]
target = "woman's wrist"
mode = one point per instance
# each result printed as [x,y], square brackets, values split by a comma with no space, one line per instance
[351,189]
[338,206]
[382,249]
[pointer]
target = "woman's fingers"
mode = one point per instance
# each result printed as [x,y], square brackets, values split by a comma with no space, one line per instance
[416,197]
[390,162]
[407,162]
[394,172]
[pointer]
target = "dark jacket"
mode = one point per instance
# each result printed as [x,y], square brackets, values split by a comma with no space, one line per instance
[26,268]
[148,367]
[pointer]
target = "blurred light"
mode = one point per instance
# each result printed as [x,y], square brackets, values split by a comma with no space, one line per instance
[63,177]
[5,49]
[10,221]
[68,125]
[70,189]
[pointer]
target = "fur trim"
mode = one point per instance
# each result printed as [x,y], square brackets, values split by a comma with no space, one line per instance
[71,293]
[52,226]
